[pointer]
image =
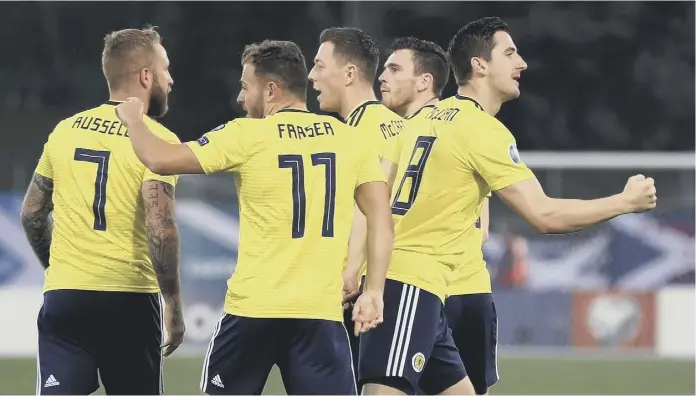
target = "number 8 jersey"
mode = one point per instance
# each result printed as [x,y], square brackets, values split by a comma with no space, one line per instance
[296,173]
[99,240]
[449,158]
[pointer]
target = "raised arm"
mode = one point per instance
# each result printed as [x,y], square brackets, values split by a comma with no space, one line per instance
[163,243]
[158,155]
[560,216]
[37,205]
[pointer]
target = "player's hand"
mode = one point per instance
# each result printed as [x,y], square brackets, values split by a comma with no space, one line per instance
[640,193]
[350,287]
[174,322]
[130,111]
[368,311]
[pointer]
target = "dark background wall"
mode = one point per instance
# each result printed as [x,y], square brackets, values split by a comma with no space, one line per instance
[602,76]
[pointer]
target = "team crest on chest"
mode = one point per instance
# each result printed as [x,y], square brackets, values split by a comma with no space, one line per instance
[418,362]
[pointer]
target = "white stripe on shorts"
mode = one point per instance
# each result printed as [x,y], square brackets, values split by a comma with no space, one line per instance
[206,361]
[398,353]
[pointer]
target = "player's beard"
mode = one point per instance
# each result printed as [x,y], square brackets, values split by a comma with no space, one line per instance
[158,101]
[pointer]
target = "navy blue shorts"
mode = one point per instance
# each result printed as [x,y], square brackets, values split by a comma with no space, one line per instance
[353,340]
[313,356]
[474,325]
[413,348]
[114,335]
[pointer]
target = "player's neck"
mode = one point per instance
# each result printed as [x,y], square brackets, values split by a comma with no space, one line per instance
[354,96]
[121,96]
[421,101]
[290,103]
[483,95]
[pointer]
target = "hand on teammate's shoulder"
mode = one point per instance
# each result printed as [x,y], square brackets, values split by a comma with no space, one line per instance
[130,111]
[640,193]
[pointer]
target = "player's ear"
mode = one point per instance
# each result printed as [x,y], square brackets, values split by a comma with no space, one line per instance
[478,65]
[272,91]
[145,77]
[425,81]
[351,74]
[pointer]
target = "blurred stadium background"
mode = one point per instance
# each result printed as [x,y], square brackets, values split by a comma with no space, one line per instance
[609,93]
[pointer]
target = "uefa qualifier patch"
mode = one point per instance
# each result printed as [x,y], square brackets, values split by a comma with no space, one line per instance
[203,140]
[514,154]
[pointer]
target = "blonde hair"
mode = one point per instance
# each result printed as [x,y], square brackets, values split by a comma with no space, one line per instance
[126,52]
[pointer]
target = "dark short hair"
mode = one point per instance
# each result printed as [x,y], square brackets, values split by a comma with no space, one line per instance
[282,60]
[475,39]
[354,45]
[428,57]
[128,51]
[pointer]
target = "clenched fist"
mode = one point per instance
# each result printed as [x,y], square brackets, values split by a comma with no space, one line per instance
[640,193]
[130,111]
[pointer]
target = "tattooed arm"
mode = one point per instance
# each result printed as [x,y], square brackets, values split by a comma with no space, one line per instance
[163,241]
[162,235]
[38,203]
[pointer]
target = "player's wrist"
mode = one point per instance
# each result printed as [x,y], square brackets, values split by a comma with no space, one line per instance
[623,203]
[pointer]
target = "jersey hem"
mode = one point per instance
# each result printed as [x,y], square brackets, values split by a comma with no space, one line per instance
[282,315]
[419,284]
[148,289]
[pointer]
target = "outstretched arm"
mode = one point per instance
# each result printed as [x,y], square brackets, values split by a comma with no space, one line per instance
[560,216]
[37,205]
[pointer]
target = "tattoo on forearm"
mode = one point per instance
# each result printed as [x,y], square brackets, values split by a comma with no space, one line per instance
[38,204]
[163,237]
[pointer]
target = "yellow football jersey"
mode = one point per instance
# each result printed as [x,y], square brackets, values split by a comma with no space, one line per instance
[99,238]
[471,276]
[380,127]
[444,172]
[296,174]
[375,120]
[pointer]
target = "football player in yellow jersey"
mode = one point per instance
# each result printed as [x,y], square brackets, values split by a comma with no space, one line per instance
[445,173]
[298,175]
[393,357]
[344,72]
[113,244]
[413,79]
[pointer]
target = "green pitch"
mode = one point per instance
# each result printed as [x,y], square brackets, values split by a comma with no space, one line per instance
[519,376]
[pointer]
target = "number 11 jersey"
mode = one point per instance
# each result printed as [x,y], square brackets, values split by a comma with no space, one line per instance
[296,174]
[99,240]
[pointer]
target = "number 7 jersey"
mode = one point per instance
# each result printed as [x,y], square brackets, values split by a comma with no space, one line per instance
[296,174]
[99,240]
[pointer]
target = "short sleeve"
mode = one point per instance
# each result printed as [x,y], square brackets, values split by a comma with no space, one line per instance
[370,169]
[163,133]
[223,148]
[44,167]
[392,151]
[496,159]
